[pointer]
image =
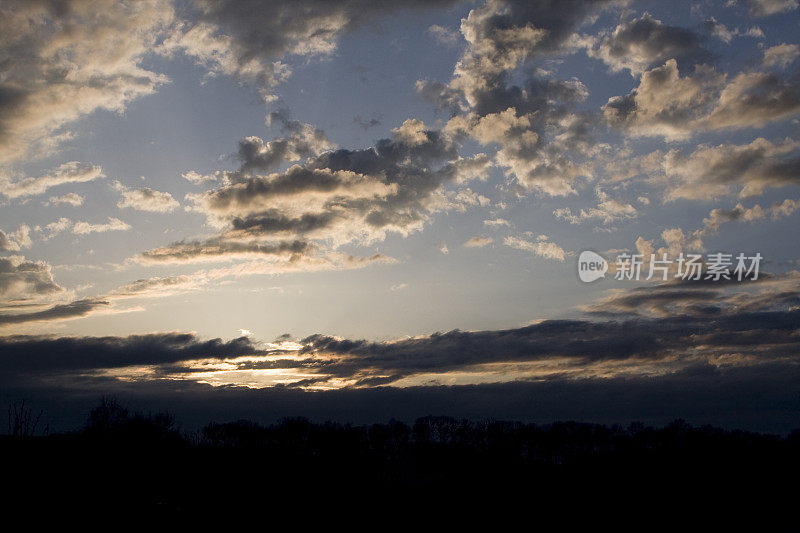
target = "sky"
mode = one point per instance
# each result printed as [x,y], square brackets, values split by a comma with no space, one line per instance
[342,207]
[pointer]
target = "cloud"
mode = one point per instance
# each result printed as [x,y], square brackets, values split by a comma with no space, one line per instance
[754,100]
[478,242]
[301,141]
[17,240]
[158,287]
[497,222]
[541,141]
[146,199]
[251,40]
[64,224]
[69,62]
[76,354]
[70,198]
[68,311]
[542,247]
[443,35]
[719,216]
[198,179]
[25,282]
[712,171]
[54,228]
[781,55]
[641,43]
[763,8]
[550,350]
[675,107]
[66,62]
[608,211]
[339,196]
[29,293]
[642,335]
[682,299]
[366,124]
[222,250]
[664,103]
[722,32]
[72,172]
[113,224]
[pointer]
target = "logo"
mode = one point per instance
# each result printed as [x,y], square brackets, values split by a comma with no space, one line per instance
[591,266]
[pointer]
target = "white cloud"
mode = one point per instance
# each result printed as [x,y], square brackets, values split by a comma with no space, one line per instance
[72,172]
[608,211]
[542,247]
[70,198]
[146,199]
[781,55]
[113,224]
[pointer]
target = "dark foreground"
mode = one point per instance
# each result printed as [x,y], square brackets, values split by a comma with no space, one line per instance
[125,463]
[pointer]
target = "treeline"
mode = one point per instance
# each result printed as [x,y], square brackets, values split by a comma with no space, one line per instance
[146,459]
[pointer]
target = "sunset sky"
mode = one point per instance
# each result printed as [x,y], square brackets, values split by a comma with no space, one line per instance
[363,197]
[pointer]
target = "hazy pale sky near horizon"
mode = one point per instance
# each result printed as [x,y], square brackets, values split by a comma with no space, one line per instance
[378,170]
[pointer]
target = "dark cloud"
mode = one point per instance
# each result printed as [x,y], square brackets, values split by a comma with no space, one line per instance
[366,124]
[250,39]
[704,377]
[33,355]
[183,251]
[703,298]
[336,197]
[76,309]
[670,328]
[641,43]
